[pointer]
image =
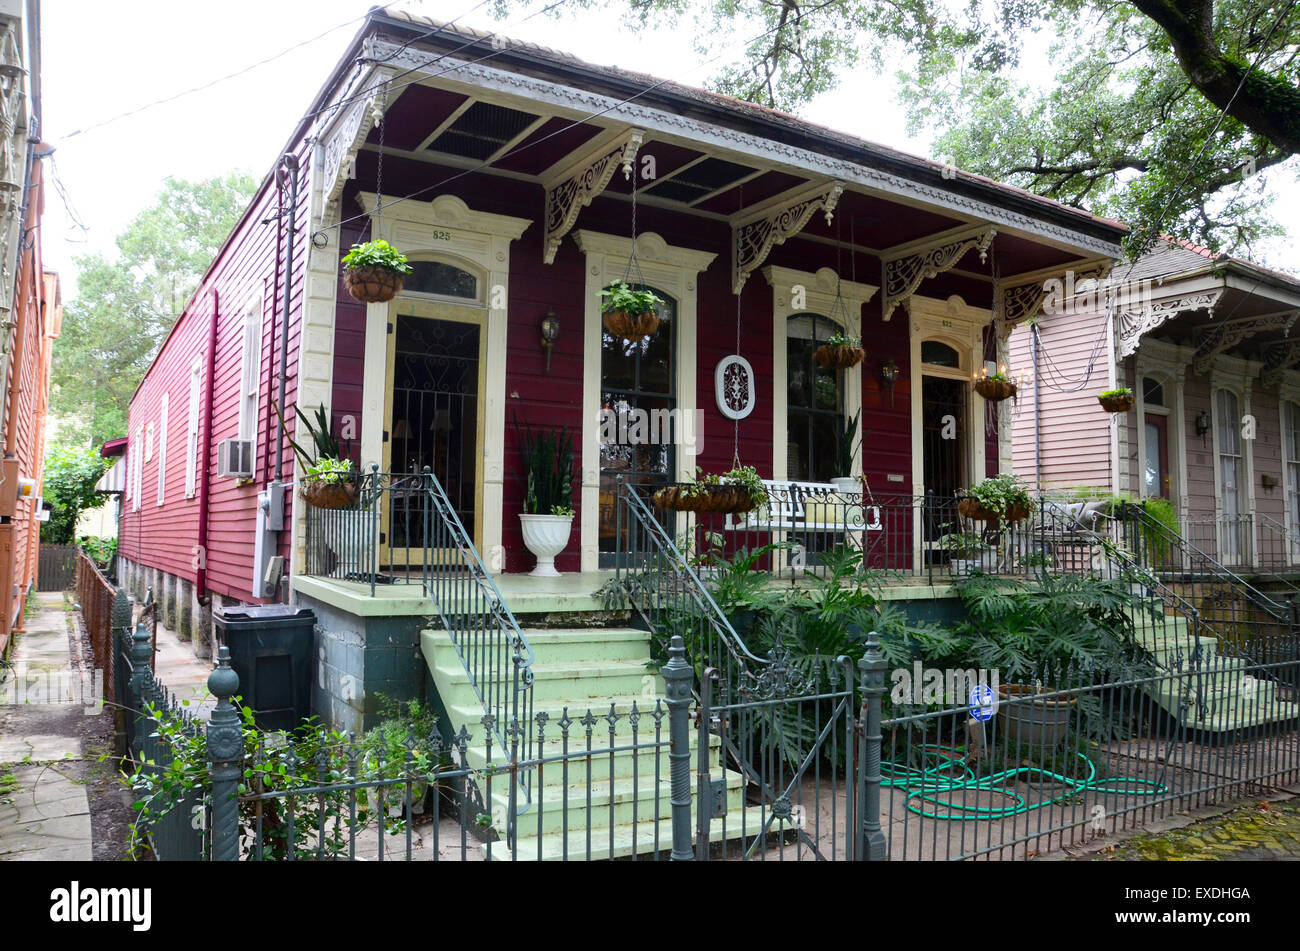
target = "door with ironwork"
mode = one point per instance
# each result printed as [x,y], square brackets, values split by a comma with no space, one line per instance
[436,367]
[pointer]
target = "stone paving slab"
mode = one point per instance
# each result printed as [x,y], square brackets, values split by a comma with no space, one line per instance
[44,814]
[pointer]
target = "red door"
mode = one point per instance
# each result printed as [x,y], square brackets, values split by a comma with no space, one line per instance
[1156,435]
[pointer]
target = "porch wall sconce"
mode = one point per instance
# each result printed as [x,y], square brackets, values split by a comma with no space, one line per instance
[550,333]
[888,376]
[1202,425]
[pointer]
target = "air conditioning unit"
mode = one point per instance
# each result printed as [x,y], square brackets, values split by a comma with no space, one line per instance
[235,458]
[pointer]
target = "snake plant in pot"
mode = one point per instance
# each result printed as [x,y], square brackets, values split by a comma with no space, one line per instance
[547,518]
[846,448]
[329,480]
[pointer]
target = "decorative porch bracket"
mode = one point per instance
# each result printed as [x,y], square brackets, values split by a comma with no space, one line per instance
[1022,296]
[772,223]
[346,129]
[1134,324]
[576,187]
[1279,357]
[1225,336]
[906,266]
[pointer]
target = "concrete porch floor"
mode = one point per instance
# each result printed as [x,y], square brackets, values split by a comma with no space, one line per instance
[524,594]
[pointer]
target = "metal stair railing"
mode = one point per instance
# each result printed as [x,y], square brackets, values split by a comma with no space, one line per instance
[496,656]
[670,597]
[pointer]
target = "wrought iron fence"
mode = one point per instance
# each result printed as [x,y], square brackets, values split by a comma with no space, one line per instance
[1034,771]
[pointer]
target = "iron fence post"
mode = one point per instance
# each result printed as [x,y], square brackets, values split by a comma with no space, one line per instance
[872,666]
[226,751]
[141,684]
[677,674]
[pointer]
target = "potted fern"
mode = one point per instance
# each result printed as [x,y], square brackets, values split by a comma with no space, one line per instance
[547,518]
[846,449]
[628,313]
[1003,497]
[840,352]
[329,480]
[374,271]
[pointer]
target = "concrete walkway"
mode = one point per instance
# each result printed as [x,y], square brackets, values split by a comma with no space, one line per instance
[44,808]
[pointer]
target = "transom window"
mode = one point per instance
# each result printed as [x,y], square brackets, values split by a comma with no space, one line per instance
[1153,393]
[815,404]
[441,280]
[938,354]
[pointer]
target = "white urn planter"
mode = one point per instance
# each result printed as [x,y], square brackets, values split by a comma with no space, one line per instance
[546,536]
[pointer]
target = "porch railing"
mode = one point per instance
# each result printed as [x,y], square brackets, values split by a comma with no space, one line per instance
[404,529]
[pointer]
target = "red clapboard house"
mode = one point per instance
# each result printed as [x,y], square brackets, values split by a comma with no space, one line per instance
[519,181]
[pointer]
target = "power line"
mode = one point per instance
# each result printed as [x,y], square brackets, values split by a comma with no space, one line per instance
[215,82]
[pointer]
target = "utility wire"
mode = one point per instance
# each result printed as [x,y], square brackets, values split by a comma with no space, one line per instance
[220,79]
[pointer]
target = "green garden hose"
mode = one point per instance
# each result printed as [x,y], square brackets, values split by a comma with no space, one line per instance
[952,775]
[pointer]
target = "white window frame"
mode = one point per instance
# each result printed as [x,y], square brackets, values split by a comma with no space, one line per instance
[819,298]
[1245,492]
[192,428]
[137,469]
[1289,397]
[162,448]
[250,375]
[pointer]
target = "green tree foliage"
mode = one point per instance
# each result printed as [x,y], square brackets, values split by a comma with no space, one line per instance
[69,485]
[127,302]
[1127,95]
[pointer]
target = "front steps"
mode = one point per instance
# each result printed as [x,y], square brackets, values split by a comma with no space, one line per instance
[612,805]
[1222,696]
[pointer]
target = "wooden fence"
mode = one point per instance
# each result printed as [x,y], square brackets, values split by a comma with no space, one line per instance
[55,567]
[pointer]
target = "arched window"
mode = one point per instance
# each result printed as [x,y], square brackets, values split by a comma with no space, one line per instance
[938,354]
[815,402]
[440,279]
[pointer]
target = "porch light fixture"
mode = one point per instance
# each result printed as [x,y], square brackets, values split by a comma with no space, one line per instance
[888,376]
[550,333]
[1202,425]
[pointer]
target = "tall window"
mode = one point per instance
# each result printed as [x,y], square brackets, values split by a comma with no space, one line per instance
[1291,447]
[250,377]
[1227,413]
[162,449]
[192,428]
[815,407]
[137,469]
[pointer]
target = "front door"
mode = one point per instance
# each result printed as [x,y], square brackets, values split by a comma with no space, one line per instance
[943,446]
[1156,445]
[436,367]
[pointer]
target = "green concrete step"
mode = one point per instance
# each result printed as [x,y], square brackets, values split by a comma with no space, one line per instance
[556,645]
[628,801]
[642,759]
[584,681]
[471,713]
[625,840]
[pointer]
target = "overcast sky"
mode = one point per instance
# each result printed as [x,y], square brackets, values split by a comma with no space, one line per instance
[101,60]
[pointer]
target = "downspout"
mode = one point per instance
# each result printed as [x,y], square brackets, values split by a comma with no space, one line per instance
[1038,442]
[289,161]
[201,573]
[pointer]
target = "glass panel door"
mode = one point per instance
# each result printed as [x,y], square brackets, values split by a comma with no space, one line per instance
[638,399]
[943,412]
[1232,548]
[1156,444]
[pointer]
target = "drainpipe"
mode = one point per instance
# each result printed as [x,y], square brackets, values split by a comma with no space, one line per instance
[205,451]
[290,162]
[1038,442]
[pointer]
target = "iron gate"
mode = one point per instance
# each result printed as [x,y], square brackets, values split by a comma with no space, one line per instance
[55,567]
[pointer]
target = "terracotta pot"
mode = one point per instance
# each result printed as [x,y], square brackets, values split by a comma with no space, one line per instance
[1117,404]
[631,326]
[972,509]
[995,391]
[373,284]
[839,357]
[328,495]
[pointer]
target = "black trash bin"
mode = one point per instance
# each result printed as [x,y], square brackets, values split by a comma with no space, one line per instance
[270,649]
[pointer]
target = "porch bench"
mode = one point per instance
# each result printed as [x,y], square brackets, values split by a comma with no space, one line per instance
[813,507]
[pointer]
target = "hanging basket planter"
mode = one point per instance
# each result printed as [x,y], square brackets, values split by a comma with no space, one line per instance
[839,356]
[620,323]
[1117,402]
[719,499]
[972,509]
[995,391]
[329,495]
[373,284]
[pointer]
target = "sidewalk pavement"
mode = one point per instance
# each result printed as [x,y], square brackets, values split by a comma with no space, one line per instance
[44,807]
